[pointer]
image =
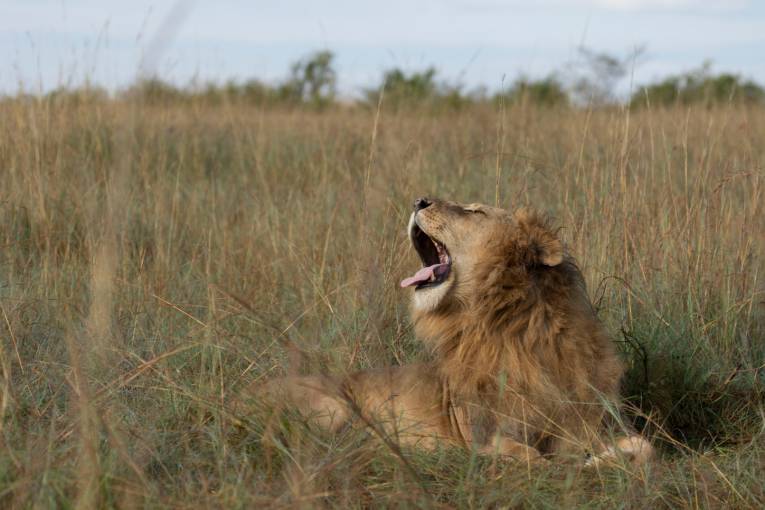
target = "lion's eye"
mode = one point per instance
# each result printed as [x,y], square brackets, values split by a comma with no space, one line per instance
[475,211]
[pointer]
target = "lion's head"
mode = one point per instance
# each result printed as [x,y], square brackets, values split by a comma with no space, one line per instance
[459,244]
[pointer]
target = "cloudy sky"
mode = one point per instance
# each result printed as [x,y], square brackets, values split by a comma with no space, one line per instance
[47,43]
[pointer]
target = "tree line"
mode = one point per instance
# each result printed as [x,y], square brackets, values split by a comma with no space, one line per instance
[312,82]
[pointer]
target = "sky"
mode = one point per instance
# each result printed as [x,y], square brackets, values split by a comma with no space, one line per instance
[49,43]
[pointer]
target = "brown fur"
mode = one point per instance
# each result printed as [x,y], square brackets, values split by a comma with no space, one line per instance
[521,364]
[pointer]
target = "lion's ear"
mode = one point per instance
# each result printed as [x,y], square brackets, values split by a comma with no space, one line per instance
[540,242]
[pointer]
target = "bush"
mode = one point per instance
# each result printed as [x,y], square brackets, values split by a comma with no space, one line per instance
[156,91]
[313,80]
[418,88]
[700,86]
[548,91]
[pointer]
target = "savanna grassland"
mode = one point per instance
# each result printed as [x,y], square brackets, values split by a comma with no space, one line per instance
[158,260]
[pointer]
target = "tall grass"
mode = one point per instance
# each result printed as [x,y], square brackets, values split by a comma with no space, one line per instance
[158,260]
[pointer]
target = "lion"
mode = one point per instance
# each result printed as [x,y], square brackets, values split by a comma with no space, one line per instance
[521,366]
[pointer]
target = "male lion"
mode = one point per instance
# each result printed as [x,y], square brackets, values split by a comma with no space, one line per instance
[521,364]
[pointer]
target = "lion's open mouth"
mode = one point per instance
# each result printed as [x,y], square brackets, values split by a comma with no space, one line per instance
[436,262]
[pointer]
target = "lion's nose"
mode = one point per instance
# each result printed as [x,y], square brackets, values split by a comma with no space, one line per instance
[421,203]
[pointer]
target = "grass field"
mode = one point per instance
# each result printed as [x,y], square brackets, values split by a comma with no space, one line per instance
[157,260]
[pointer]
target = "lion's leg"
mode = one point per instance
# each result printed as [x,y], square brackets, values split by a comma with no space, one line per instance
[316,397]
[404,401]
[635,449]
[507,447]
[478,428]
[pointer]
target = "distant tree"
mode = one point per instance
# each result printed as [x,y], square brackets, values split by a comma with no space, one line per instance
[251,91]
[699,86]
[255,91]
[418,88]
[452,97]
[400,87]
[547,91]
[87,94]
[312,79]
[595,75]
[155,91]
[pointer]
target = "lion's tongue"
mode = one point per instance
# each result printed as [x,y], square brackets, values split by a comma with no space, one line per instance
[424,275]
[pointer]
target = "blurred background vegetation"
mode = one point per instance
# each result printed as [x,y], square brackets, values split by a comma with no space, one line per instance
[591,80]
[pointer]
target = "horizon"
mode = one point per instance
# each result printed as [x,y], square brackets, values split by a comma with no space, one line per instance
[484,44]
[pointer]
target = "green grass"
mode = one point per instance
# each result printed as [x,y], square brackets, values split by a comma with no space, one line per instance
[157,260]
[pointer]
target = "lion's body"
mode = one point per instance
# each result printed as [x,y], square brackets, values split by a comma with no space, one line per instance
[521,364]
[406,401]
[536,359]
